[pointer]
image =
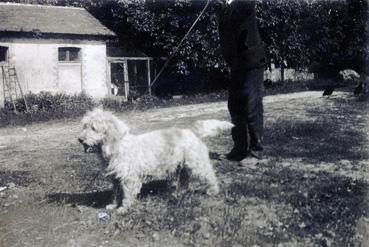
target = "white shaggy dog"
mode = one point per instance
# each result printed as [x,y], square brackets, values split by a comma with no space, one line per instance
[136,159]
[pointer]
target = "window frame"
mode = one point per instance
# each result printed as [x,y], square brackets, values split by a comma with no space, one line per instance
[68,50]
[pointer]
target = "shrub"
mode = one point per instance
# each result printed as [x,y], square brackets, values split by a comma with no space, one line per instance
[45,106]
[115,104]
[289,86]
[60,104]
[143,102]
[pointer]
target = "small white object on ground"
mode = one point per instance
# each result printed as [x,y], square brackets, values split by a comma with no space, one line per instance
[103,215]
[3,188]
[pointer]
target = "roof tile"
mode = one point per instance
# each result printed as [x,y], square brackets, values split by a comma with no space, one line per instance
[50,19]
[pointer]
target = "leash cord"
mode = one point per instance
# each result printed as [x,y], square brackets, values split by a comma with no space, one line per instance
[180,43]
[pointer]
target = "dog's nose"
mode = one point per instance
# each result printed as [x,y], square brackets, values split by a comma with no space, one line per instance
[80,140]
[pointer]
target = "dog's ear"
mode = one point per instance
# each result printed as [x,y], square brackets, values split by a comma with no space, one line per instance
[122,128]
[114,125]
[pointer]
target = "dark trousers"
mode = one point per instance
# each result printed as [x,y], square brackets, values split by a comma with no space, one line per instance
[245,104]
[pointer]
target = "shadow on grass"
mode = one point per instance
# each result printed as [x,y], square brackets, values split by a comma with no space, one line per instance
[20,178]
[335,134]
[316,141]
[92,199]
[100,199]
[322,203]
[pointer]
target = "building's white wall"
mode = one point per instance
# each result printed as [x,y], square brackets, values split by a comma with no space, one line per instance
[94,66]
[38,68]
[69,78]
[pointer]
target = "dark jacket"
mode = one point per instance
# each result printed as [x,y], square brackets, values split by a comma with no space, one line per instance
[239,36]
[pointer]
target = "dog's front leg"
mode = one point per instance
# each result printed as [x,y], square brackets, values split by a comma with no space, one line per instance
[131,188]
[117,195]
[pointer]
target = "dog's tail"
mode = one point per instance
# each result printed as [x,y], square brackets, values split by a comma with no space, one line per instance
[210,127]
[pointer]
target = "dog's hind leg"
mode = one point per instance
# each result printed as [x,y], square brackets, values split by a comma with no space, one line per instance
[211,179]
[200,165]
[184,177]
[182,180]
[207,175]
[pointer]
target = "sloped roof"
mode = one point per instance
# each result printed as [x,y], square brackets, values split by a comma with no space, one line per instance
[49,19]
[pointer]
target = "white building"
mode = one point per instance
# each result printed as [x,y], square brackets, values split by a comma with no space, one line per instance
[289,74]
[55,49]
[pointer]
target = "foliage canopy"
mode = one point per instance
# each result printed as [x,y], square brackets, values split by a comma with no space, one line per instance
[318,35]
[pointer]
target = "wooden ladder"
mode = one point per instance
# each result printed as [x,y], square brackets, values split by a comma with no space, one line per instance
[11,86]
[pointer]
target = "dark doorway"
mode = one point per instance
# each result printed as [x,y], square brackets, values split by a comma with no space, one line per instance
[117,79]
[137,74]
[3,53]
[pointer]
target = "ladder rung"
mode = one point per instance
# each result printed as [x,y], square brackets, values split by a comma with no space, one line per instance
[11,85]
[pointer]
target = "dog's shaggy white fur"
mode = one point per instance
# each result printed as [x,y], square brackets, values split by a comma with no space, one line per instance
[137,159]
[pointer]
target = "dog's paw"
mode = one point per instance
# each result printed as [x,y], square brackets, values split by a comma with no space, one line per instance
[111,207]
[213,190]
[122,210]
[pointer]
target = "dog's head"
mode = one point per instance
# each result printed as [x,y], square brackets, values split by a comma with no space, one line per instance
[99,128]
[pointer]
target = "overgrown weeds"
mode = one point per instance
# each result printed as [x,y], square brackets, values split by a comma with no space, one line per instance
[45,106]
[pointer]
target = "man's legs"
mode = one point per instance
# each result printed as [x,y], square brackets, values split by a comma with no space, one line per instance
[245,106]
[255,118]
[236,106]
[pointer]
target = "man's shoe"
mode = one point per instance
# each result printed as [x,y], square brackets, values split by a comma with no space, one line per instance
[236,155]
[256,149]
[257,153]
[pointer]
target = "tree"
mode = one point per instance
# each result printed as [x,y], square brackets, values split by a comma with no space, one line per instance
[339,40]
[160,25]
[323,36]
[280,24]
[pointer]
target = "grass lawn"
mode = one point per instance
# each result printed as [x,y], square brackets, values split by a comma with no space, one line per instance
[310,190]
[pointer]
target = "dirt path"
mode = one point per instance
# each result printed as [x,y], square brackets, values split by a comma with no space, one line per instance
[311,189]
[57,134]
[137,120]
